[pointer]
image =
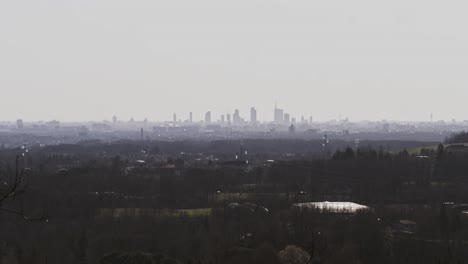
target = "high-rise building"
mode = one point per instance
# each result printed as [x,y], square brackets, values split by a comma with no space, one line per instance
[236,117]
[311,119]
[191,117]
[174,118]
[253,115]
[208,117]
[114,119]
[279,115]
[222,118]
[228,118]
[286,118]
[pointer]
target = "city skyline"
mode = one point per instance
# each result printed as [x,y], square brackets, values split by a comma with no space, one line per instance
[233,132]
[276,115]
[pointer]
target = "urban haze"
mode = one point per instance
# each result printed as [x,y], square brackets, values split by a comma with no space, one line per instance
[232,132]
[88,60]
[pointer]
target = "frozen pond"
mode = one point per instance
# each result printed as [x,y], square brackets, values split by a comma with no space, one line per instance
[333,207]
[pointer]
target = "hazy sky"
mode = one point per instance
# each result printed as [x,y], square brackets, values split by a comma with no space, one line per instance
[91,59]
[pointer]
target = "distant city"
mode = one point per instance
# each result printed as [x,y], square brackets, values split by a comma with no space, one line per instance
[235,125]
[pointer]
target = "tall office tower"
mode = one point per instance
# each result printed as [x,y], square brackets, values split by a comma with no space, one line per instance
[311,119]
[222,118]
[293,120]
[208,117]
[286,118]
[19,124]
[191,117]
[228,118]
[141,134]
[253,115]
[236,117]
[175,118]
[303,120]
[114,119]
[279,115]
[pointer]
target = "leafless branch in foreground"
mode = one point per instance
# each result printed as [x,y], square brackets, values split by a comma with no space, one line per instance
[14,190]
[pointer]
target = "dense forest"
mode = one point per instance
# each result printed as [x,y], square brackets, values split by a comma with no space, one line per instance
[457,138]
[150,202]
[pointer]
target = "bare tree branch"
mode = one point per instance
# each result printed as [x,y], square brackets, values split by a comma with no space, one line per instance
[22,215]
[17,189]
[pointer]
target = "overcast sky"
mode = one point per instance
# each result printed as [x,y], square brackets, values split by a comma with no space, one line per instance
[363,59]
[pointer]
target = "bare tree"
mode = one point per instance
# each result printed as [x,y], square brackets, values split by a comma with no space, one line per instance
[14,190]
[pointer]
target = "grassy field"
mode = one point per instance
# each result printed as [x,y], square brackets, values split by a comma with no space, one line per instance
[416,151]
[149,212]
[243,197]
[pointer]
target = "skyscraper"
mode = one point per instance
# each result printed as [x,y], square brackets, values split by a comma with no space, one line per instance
[228,118]
[174,118]
[236,117]
[286,118]
[208,117]
[253,115]
[222,118]
[191,117]
[279,115]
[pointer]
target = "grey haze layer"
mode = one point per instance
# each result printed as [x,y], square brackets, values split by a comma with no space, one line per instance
[88,59]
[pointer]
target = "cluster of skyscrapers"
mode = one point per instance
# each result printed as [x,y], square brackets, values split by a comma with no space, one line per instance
[280,118]
[235,118]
